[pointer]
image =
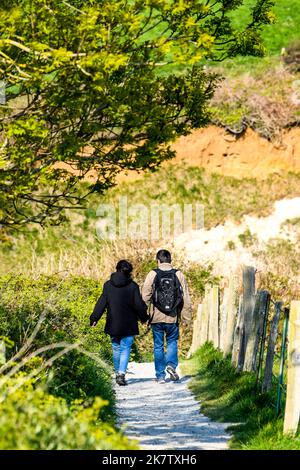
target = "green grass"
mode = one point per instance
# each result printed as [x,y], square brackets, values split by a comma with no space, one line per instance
[276,36]
[221,196]
[231,397]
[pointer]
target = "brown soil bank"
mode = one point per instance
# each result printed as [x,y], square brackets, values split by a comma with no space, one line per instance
[250,155]
[247,156]
[218,151]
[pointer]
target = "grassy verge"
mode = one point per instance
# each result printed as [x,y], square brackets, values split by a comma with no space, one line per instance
[231,397]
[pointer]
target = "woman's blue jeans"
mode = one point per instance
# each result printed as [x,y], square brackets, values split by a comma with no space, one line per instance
[162,359]
[121,347]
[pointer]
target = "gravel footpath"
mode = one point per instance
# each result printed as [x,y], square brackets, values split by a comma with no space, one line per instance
[165,416]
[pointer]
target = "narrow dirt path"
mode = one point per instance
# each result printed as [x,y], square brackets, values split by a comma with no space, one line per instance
[165,416]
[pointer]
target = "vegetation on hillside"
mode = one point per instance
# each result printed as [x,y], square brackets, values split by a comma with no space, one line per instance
[232,397]
[65,95]
[262,93]
[74,248]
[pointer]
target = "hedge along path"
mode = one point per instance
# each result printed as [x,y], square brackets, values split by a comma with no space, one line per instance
[165,416]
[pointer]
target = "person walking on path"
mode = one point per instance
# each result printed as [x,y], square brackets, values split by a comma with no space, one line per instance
[166,291]
[122,300]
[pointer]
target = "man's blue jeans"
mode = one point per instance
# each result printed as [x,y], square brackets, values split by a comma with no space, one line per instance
[162,359]
[121,352]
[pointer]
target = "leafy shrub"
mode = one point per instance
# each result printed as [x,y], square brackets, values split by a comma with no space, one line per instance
[231,245]
[30,418]
[64,402]
[66,303]
[247,238]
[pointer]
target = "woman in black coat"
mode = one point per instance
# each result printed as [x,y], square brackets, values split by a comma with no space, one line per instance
[122,300]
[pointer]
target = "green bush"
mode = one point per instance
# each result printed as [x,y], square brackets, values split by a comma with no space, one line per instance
[66,303]
[31,418]
[66,404]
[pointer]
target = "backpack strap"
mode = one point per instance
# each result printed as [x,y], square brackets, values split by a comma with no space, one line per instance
[151,304]
[157,273]
[157,270]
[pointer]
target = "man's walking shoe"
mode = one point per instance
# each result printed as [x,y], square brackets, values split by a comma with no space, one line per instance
[120,379]
[161,380]
[173,374]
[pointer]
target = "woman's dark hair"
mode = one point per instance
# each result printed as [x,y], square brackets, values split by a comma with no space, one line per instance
[164,256]
[125,267]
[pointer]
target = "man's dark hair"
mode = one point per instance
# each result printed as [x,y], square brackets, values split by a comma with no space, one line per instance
[164,256]
[125,267]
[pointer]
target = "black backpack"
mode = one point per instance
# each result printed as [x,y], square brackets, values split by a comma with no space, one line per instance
[167,293]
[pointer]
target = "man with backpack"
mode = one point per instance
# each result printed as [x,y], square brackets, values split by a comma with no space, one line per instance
[166,290]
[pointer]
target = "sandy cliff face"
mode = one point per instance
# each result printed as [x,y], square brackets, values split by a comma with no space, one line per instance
[250,155]
[218,151]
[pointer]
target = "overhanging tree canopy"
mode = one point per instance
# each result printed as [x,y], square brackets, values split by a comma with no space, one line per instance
[90,83]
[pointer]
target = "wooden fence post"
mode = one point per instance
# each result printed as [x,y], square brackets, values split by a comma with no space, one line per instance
[292,407]
[267,383]
[232,309]
[223,318]
[205,316]
[259,313]
[196,340]
[213,331]
[261,337]
[238,334]
[248,312]
[251,347]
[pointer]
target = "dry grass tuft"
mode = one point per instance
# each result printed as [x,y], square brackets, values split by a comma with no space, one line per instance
[269,101]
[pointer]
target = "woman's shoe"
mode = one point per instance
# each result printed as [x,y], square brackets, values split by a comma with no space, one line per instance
[120,379]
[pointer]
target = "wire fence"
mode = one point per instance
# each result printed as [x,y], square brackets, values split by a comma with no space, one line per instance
[281,355]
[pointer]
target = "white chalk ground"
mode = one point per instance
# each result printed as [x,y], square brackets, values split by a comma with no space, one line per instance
[165,416]
[210,247]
